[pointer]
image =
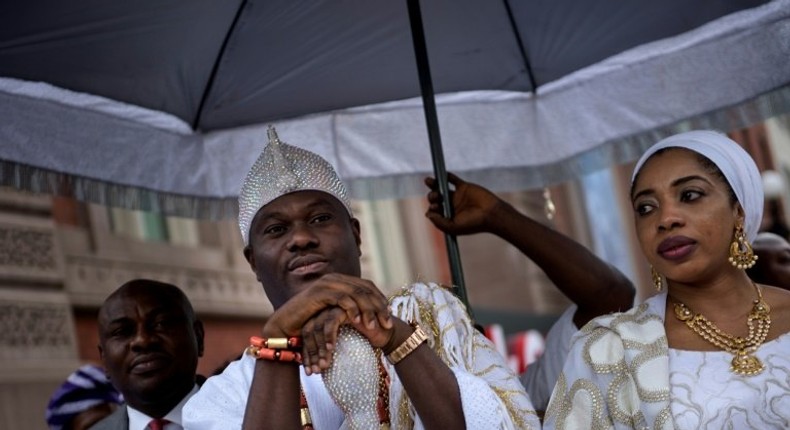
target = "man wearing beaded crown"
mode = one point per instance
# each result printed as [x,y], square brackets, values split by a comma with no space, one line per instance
[303,243]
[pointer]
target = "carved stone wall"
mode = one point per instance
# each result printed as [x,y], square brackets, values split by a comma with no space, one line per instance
[37,342]
[37,352]
[89,279]
[36,334]
[28,248]
[36,327]
[28,251]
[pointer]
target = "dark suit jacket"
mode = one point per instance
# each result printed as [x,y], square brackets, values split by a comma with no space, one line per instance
[118,420]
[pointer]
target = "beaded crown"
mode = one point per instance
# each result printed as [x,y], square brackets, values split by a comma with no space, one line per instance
[282,169]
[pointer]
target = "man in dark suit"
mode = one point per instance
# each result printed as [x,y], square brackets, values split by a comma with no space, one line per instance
[149,342]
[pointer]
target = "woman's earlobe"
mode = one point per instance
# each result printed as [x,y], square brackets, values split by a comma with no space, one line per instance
[740,213]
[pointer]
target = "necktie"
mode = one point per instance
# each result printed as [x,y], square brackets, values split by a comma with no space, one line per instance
[157,424]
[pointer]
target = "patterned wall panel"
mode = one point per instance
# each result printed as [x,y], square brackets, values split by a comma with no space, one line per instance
[28,250]
[89,279]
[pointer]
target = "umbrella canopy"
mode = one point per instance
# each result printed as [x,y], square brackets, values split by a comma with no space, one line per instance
[162,105]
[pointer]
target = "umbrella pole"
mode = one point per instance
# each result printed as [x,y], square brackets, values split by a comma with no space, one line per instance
[437,155]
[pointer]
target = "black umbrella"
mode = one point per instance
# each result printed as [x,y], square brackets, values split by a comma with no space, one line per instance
[159,105]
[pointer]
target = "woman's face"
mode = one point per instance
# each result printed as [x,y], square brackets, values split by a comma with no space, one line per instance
[684,216]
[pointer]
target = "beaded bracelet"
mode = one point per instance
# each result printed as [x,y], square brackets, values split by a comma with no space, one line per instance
[276,342]
[274,354]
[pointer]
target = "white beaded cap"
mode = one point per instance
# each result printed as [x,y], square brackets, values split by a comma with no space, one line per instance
[282,169]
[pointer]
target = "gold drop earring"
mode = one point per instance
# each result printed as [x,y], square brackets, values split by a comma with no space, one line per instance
[741,253]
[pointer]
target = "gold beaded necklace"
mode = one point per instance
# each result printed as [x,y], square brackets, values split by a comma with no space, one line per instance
[743,348]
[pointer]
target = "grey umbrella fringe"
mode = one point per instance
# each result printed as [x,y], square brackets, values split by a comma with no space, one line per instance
[37,180]
[616,151]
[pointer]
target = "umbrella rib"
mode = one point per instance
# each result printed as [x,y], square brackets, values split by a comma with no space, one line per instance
[521,47]
[215,67]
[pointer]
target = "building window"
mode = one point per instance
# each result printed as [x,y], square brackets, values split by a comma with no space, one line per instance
[154,227]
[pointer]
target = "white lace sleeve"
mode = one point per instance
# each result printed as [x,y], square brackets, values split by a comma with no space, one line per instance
[578,400]
[491,394]
[541,376]
[220,402]
[616,375]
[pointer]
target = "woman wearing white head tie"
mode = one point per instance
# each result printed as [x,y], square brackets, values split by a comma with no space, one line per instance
[712,349]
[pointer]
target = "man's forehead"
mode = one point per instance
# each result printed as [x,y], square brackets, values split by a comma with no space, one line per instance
[136,301]
[301,198]
[773,246]
[770,240]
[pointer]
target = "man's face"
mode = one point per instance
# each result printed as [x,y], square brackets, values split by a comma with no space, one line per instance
[773,264]
[149,344]
[299,237]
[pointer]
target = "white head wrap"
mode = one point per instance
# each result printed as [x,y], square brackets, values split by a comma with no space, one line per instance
[734,162]
[282,169]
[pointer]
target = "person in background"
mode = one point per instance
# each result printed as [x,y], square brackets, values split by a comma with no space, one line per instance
[413,363]
[84,398]
[595,287]
[710,351]
[773,264]
[149,342]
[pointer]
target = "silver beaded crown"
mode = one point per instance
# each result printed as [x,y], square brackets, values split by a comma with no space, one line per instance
[282,169]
